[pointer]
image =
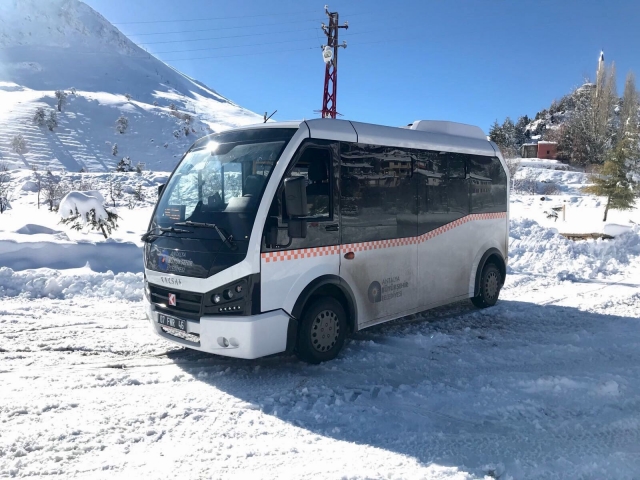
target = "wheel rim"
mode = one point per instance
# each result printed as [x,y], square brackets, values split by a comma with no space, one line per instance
[491,285]
[325,331]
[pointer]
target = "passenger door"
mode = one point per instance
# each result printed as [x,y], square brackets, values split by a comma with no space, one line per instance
[378,252]
[291,264]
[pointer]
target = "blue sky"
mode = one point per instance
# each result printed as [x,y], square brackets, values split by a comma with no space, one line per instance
[470,61]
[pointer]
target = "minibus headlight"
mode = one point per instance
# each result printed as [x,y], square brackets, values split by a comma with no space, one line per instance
[232,298]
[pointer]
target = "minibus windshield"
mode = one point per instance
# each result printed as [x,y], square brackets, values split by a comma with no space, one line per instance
[218,178]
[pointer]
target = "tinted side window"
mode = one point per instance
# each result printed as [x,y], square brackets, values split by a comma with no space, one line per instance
[487,185]
[377,199]
[442,188]
[457,186]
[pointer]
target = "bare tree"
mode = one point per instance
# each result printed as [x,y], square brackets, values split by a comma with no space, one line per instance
[38,181]
[513,164]
[115,189]
[53,190]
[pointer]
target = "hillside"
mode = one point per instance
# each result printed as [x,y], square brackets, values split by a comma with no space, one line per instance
[49,45]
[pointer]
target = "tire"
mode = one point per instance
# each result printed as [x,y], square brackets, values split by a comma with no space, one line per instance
[490,285]
[322,331]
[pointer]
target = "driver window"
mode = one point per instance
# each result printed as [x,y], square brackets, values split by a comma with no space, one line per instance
[314,166]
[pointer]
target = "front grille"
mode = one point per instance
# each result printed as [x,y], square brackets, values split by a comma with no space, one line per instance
[187,304]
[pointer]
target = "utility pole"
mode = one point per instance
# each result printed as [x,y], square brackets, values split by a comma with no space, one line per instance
[330,56]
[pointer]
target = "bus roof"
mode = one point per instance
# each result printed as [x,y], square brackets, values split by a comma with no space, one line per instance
[422,134]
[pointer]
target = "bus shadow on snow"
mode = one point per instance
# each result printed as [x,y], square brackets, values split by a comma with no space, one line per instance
[465,389]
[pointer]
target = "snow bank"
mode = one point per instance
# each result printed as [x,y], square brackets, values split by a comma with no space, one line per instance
[615,230]
[101,256]
[535,249]
[49,283]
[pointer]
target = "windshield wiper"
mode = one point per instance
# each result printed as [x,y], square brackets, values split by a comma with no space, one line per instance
[226,239]
[150,235]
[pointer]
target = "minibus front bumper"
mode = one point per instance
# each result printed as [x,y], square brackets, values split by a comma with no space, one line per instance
[232,336]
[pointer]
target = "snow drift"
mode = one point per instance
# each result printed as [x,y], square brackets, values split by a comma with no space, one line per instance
[535,249]
[49,283]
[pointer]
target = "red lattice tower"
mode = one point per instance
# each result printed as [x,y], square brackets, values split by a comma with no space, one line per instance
[330,55]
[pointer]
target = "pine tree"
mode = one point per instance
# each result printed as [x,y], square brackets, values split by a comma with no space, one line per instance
[613,181]
[39,117]
[521,132]
[4,187]
[19,144]
[629,128]
[114,149]
[122,124]
[52,120]
[496,134]
[124,165]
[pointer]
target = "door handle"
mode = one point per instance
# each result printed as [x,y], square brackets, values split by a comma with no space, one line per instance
[350,255]
[332,227]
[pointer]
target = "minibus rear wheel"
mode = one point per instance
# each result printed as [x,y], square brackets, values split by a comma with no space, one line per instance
[490,284]
[322,330]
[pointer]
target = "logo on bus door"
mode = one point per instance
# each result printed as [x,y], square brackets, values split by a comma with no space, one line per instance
[172,299]
[391,287]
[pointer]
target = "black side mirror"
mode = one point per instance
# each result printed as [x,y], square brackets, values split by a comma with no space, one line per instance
[295,192]
[160,189]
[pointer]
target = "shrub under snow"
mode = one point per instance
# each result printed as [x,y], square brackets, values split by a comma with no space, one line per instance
[80,209]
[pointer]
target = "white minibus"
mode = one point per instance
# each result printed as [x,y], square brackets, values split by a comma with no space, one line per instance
[286,237]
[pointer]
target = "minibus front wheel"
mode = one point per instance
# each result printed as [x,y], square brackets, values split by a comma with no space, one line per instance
[322,330]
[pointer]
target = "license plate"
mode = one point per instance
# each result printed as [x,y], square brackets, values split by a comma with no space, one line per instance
[172,322]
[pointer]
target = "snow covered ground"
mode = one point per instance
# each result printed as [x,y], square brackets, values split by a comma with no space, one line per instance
[544,385]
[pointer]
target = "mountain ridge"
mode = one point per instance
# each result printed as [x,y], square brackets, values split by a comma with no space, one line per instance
[51,45]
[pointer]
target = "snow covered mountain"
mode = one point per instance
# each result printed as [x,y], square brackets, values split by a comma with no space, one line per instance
[49,45]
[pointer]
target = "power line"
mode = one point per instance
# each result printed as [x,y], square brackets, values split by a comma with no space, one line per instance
[283,14]
[232,46]
[279,51]
[228,36]
[211,18]
[348,35]
[242,54]
[219,28]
